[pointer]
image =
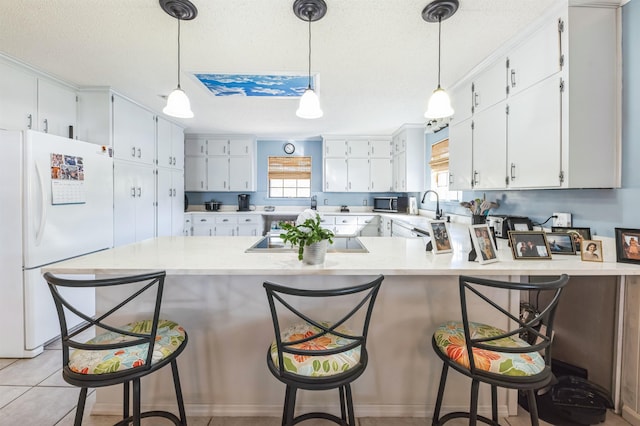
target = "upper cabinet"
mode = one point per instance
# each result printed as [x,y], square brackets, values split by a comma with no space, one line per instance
[220,163]
[409,159]
[170,144]
[134,132]
[32,101]
[534,106]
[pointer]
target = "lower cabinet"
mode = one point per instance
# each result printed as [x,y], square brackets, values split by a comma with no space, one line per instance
[229,225]
[170,196]
[134,212]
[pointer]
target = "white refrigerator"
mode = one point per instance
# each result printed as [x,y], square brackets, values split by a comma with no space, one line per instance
[56,197]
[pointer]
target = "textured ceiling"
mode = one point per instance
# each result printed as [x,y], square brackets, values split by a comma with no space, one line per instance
[377,59]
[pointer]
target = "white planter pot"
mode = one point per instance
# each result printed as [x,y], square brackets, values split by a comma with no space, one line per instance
[314,254]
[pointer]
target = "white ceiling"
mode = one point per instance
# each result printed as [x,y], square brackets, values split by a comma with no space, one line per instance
[377,59]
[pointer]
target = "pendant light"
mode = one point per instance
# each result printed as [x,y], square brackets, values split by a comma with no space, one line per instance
[178,104]
[437,11]
[310,11]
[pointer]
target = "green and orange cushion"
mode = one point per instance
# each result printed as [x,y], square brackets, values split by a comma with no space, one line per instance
[169,337]
[316,366]
[449,338]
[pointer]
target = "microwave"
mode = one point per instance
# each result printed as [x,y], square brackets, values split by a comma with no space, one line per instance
[390,204]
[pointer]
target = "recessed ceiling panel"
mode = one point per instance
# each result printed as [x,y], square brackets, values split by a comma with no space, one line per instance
[258,85]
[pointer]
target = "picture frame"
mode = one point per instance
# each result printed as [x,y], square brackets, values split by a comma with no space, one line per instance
[515,223]
[627,245]
[483,244]
[529,245]
[591,251]
[578,234]
[561,243]
[440,236]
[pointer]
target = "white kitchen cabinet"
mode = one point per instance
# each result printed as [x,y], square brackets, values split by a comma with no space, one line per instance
[526,134]
[490,147]
[203,225]
[249,225]
[133,202]
[409,160]
[380,148]
[170,202]
[345,225]
[335,148]
[32,101]
[225,225]
[170,144]
[220,164]
[381,173]
[188,225]
[385,226]
[368,226]
[461,102]
[358,175]
[461,155]
[134,132]
[336,177]
[490,86]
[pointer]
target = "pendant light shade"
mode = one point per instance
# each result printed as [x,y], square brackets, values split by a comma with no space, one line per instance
[309,11]
[437,11]
[178,104]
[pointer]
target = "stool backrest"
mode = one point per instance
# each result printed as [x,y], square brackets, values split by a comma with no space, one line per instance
[284,301]
[475,292]
[132,287]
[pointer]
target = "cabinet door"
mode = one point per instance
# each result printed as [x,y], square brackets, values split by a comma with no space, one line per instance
[241,147]
[241,174]
[358,148]
[534,144]
[335,175]
[177,202]
[461,155]
[170,202]
[195,173]
[358,174]
[380,148]
[217,147]
[145,203]
[490,148]
[536,58]
[177,146]
[134,202]
[335,148]
[490,86]
[18,99]
[400,171]
[203,226]
[225,230]
[461,101]
[381,172]
[195,147]
[217,173]
[164,142]
[133,132]
[57,108]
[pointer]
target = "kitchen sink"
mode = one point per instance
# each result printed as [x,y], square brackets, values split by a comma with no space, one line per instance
[274,244]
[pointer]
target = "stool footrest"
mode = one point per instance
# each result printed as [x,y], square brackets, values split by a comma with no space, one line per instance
[163,414]
[462,414]
[320,415]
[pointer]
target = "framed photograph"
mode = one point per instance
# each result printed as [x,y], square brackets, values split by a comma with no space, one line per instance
[483,243]
[591,251]
[578,234]
[561,243]
[529,245]
[439,230]
[628,245]
[515,223]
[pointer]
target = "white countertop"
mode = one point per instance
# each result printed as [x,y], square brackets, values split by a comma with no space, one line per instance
[387,255]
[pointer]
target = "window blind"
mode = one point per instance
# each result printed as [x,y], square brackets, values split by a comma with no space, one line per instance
[289,168]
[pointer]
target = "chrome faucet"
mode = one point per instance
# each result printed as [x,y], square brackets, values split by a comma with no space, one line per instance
[438,211]
[314,202]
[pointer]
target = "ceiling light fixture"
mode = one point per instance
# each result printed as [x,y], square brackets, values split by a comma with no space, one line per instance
[310,11]
[437,11]
[178,104]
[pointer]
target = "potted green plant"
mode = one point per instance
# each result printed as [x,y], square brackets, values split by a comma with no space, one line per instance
[308,233]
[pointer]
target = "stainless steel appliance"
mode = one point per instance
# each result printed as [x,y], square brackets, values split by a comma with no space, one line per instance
[243,202]
[390,204]
[273,243]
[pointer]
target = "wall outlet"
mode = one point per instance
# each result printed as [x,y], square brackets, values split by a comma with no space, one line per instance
[562,219]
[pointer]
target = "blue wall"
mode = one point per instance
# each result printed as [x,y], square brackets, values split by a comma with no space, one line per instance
[600,209]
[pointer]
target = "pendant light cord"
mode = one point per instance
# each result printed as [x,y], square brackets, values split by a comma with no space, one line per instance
[179,53]
[439,49]
[309,19]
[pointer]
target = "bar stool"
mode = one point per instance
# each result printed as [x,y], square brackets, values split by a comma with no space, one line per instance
[492,355]
[316,352]
[120,354]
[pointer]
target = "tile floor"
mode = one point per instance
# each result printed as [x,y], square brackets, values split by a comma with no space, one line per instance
[32,393]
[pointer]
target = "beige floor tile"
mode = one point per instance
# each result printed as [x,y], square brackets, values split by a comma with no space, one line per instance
[55,380]
[31,371]
[6,361]
[39,406]
[9,393]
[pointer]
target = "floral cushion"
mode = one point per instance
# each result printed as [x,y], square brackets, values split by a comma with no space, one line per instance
[169,338]
[450,340]
[316,366]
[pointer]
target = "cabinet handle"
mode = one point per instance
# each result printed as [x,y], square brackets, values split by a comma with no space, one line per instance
[170,160]
[46,125]
[475,177]
[133,192]
[201,149]
[169,192]
[133,151]
[513,78]
[513,171]
[174,161]
[201,184]
[247,220]
[30,118]
[174,192]
[139,153]
[476,99]
[225,220]
[450,178]
[203,220]
[139,192]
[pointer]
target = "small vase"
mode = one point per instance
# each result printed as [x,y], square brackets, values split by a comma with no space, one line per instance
[478,219]
[314,254]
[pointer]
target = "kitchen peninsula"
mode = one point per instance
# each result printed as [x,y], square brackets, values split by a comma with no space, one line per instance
[214,288]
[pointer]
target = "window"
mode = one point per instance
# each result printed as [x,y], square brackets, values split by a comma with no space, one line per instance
[289,177]
[439,164]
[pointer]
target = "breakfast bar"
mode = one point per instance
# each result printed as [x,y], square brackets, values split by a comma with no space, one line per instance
[214,289]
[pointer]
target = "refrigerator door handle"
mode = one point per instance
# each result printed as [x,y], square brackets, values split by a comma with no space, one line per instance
[43,214]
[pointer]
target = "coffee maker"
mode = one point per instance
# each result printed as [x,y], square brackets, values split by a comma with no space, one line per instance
[243,202]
